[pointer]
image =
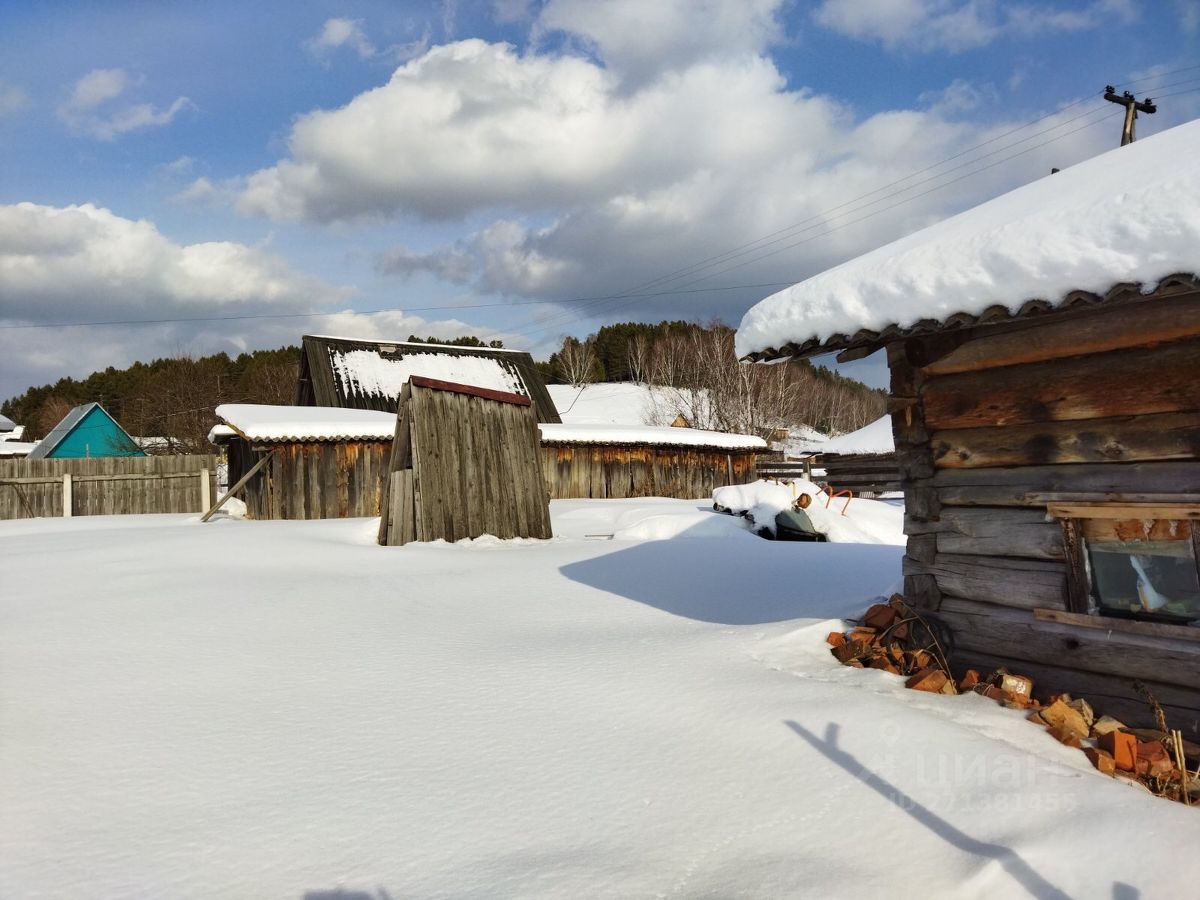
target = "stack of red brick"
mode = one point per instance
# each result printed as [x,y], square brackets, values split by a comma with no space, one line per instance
[894,638]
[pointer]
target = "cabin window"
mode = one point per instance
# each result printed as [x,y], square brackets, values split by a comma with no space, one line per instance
[1134,563]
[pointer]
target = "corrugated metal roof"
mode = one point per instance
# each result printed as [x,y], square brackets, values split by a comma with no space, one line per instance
[60,431]
[867,340]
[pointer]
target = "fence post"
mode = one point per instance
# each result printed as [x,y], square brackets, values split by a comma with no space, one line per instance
[205,491]
[68,503]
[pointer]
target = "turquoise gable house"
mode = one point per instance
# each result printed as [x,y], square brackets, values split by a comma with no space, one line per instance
[87,430]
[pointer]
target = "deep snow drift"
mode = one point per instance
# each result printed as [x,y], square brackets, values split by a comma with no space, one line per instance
[284,709]
[841,519]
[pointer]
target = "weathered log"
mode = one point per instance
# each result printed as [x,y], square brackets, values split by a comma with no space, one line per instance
[1121,439]
[1030,485]
[1094,331]
[1108,694]
[993,532]
[1128,382]
[1019,583]
[996,630]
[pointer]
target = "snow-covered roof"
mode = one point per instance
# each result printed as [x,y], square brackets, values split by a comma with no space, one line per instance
[260,422]
[17,448]
[1128,216]
[6,424]
[648,434]
[874,438]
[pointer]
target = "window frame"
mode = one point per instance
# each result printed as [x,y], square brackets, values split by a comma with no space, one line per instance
[1071,516]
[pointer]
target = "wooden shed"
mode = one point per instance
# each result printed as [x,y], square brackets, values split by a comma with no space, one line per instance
[464,463]
[313,462]
[1043,351]
[357,374]
[616,461]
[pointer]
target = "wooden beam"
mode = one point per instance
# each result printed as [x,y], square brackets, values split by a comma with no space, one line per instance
[1127,626]
[237,487]
[1129,382]
[1136,324]
[1122,439]
[1123,511]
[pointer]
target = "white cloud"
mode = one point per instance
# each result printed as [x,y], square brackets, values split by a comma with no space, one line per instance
[181,165]
[90,109]
[12,98]
[958,25]
[84,263]
[1189,15]
[337,33]
[578,182]
[639,39]
[199,192]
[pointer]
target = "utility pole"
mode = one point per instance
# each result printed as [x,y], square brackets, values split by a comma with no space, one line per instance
[1132,107]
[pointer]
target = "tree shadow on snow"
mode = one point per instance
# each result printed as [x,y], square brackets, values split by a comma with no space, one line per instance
[742,580]
[1012,862]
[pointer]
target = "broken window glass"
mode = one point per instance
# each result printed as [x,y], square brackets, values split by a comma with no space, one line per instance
[1143,570]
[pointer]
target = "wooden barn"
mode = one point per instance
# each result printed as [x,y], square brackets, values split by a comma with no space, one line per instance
[305,462]
[464,463]
[616,461]
[357,374]
[1043,351]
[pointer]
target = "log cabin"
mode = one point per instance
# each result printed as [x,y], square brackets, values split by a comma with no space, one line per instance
[1043,351]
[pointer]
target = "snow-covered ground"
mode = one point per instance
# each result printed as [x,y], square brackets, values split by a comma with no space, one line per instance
[841,519]
[283,709]
[616,403]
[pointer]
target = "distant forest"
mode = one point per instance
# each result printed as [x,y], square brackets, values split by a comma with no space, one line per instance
[175,397]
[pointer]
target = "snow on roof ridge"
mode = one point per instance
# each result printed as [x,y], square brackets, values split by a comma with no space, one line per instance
[334,337]
[663,435]
[1130,215]
[264,422]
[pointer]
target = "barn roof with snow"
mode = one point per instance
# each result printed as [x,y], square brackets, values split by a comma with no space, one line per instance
[1117,228]
[368,375]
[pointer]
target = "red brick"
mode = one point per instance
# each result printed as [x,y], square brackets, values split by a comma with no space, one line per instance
[1101,760]
[880,617]
[1122,747]
[968,681]
[1064,735]
[835,639]
[931,680]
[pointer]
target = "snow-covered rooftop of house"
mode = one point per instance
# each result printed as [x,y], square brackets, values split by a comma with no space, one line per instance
[17,448]
[260,422]
[648,434]
[366,372]
[1131,215]
[6,424]
[874,438]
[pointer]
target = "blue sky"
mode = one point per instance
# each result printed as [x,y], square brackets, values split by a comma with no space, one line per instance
[499,160]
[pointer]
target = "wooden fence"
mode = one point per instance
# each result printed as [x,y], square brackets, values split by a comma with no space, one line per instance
[863,473]
[575,471]
[103,486]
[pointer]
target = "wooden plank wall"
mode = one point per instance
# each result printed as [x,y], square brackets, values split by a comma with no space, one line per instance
[575,471]
[1103,406]
[313,479]
[863,473]
[464,466]
[115,485]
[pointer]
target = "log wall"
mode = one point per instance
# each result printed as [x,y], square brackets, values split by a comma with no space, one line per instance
[991,426]
[311,480]
[106,486]
[574,471]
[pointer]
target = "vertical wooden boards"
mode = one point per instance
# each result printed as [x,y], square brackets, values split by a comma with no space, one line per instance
[102,485]
[618,471]
[476,467]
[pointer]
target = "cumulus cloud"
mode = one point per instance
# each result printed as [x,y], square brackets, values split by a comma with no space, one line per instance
[84,263]
[639,39]
[12,98]
[92,109]
[958,25]
[337,33]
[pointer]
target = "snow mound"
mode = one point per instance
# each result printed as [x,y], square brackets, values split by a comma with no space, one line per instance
[874,438]
[648,434]
[864,522]
[1128,215]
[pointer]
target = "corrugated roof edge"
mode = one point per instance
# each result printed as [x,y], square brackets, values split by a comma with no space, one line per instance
[424,344]
[868,341]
